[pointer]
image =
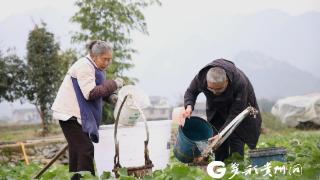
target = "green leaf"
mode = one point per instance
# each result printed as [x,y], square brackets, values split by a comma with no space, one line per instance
[123,172]
[105,175]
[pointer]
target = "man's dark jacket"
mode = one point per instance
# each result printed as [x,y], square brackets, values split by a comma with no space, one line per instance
[221,110]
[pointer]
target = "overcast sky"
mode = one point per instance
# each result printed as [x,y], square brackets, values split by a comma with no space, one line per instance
[182,11]
[11,7]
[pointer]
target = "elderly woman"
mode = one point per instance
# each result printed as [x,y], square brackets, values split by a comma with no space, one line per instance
[78,104]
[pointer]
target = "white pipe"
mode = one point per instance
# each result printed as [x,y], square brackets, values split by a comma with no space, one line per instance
[225,133]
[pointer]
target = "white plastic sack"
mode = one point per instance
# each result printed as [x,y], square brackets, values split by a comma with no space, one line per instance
[136,98]
[296,109]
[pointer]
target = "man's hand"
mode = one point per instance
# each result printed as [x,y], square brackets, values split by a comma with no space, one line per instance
[185,114]
[214,139]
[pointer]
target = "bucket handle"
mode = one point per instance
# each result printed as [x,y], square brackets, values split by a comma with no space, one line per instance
[117,164]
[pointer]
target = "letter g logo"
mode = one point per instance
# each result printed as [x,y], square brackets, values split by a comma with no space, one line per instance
[216,169]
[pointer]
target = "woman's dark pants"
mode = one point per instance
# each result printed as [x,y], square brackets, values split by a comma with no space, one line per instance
[81,150]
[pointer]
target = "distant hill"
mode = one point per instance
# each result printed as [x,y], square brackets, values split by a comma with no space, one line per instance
[292,39]
[273,78]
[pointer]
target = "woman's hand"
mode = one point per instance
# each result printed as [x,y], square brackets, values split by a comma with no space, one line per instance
[113,98]
[119,82]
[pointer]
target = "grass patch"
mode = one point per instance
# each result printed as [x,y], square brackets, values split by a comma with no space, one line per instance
[271,122]
[14,133]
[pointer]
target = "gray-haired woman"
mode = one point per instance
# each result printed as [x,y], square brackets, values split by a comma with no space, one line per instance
[78,104]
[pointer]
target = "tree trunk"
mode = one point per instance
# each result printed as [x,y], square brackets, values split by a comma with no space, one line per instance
[45,129]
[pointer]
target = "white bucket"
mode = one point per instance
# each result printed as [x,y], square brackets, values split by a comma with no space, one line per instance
[131,145]
[136,98]
[177,115]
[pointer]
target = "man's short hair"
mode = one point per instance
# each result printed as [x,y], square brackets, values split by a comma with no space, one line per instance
[216,75]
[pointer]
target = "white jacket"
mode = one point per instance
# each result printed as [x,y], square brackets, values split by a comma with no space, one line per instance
[66,104]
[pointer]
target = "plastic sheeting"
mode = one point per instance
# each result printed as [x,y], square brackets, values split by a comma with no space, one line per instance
[293,110]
